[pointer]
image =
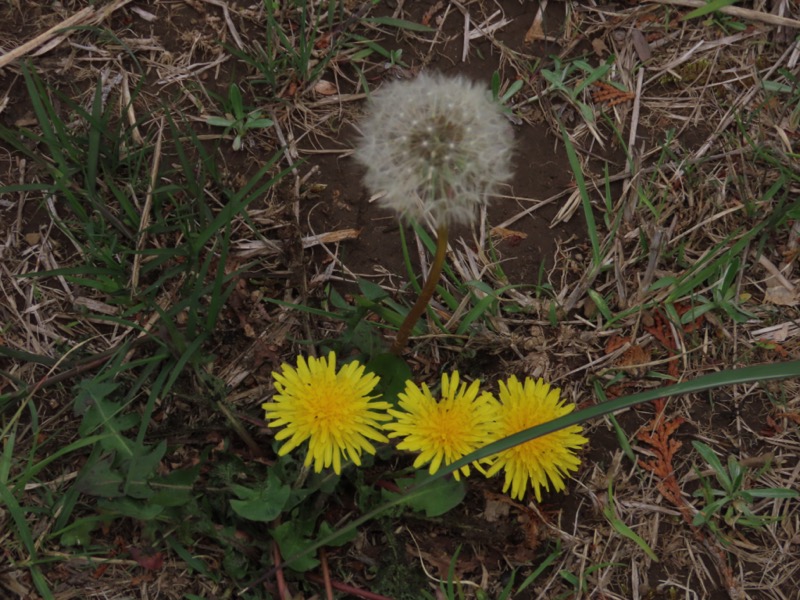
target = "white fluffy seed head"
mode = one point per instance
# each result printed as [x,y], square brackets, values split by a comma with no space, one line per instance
[436,147]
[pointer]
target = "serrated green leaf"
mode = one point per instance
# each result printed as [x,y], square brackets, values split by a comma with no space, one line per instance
[344,536]
[88,391]
[176,488]
[393,372]
[143,467]
[79,533]
[291,541]
[103,415]
[100,479]
[434,500]
[263,504]
[128,507]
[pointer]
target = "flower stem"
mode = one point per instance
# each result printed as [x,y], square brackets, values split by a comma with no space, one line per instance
[425,294]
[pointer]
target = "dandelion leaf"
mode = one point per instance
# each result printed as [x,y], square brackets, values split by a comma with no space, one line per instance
[142,468]
[100,479]
[263,503]
[435,499]
[393,371]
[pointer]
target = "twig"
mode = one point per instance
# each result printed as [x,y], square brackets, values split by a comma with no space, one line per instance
[144,221]
[775,272]
[736,11]
[88,15]
[326,574]
[283,590]
[227,15]
[350,590]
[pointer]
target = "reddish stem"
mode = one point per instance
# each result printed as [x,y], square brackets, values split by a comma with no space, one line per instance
[425,294]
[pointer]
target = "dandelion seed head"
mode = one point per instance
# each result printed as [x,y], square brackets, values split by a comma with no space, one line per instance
[447,160]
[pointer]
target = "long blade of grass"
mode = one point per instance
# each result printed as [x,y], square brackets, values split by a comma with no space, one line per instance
[399,23]
[41,103]
[93,154]
[712,6]
[549,560]
[32,470]
[622,438]
[240,201]
[26,537]
[610,513]
[580,182]
[759,373]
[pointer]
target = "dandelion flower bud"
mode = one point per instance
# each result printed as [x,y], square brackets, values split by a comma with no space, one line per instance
[435,147]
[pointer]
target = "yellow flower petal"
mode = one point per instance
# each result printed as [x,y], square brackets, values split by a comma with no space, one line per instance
[545,460]
[332,410]
[446,428]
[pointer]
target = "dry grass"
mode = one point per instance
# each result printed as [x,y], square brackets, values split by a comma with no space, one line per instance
[681,219]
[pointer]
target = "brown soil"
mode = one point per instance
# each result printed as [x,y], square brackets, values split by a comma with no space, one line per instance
[541,168]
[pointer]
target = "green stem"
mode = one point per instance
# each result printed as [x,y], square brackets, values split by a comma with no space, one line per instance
[425,294]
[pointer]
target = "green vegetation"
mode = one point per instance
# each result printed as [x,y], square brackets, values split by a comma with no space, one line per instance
[164,252]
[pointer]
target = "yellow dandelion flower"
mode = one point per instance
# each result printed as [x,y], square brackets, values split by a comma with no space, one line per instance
[332,410]
[541,461]
[445,429]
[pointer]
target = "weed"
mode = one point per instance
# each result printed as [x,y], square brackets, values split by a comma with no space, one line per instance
[734,503]
[572,79]
[134,421]
[236,119]
[120,462]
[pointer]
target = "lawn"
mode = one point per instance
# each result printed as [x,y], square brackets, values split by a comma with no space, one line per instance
[202,212]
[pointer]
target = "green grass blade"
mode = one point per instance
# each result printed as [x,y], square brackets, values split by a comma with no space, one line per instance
[711,458]
[622,438]
[483,305]
[93,154]
[32,470]
[399,23]
[40,104]
[549,560]
[759,373]
[580,182]
[712,6]
[26,537]
[610,513]
[775,493]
